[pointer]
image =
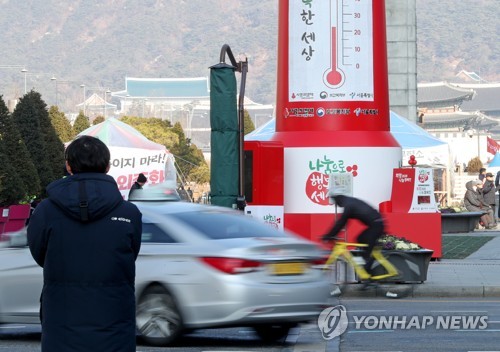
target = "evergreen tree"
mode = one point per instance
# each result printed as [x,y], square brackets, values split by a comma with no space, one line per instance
[187,156]
[54,148]
[17,154]
[81,124]
[61,124]
[11,189]
[156,130]
[27,119]
[98,120]
[200,174]
[248,124]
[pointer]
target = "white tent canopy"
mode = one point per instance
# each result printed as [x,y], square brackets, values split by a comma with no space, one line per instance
[494,165]
[132,153]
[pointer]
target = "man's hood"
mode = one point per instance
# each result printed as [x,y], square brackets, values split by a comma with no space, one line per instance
[98,192]
[469,185]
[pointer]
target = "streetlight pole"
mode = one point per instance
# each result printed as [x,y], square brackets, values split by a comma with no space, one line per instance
[127,105]
[84,99]
[17,67]
[143,104]
[24,70]
[53,78]
[191,115]
[470,133]
[478,145]
[106,101]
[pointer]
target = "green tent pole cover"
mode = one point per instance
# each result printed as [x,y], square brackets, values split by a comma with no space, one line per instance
[224,138]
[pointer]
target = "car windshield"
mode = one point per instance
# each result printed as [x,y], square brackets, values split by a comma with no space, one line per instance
[225,225]
[160,192]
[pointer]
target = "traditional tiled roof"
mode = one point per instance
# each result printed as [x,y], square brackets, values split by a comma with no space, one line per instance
[95,101]
[188,88]
[448,120]
[442,94]
[469,76]
[487,98]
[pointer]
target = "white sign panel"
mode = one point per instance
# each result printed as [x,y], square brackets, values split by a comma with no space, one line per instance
[423,194]
[308,170]
[271,215]
[340,184]
[429,156]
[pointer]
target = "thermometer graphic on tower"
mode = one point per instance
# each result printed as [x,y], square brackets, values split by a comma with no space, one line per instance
[351,54]
[334,77]
[341,67]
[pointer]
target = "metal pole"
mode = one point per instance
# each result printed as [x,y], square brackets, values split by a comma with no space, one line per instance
[242,67]
[241,114]
[106,102]
[478,146]
[55,83]
[25,71]
[84,98]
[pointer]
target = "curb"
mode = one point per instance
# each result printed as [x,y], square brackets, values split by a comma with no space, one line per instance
[448,291]
[422,290]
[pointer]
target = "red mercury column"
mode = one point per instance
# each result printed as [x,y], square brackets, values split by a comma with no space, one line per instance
[332,108]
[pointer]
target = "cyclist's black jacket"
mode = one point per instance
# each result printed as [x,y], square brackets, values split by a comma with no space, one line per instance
[354,209]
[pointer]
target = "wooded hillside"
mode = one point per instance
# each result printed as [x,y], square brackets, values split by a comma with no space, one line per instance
[99,43]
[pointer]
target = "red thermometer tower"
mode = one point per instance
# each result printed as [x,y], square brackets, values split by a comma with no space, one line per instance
[332,108]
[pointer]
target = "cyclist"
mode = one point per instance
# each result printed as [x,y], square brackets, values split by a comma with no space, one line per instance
[359,210]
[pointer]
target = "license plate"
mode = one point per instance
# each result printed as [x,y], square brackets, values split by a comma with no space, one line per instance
[287,268]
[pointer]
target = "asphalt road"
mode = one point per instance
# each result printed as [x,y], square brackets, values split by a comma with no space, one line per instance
[445,323]
[417,325]
[25,338]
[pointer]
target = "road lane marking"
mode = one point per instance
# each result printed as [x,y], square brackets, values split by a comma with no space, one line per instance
[370,331]
[479,330]
[459,311]
[414,300]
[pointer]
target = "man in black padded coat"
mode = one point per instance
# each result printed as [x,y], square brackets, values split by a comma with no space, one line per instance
[86,238]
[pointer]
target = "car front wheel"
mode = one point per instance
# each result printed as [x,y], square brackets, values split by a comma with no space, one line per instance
[272,332]
[157,317]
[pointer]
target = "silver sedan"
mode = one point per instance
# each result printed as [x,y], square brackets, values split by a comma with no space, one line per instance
[199,267]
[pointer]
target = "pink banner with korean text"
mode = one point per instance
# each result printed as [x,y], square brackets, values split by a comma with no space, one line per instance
[128,163]
[132,153]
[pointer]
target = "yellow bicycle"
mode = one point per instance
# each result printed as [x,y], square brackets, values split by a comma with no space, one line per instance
[342,259]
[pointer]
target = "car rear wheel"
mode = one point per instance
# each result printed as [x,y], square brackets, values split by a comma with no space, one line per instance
[272,332]
[157,317]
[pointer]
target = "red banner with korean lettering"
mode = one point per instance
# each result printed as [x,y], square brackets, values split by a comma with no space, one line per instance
[493,146]
[128,163]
